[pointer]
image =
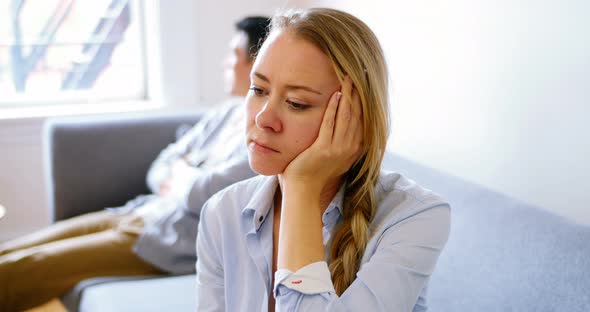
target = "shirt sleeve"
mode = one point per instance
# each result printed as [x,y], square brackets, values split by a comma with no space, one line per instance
[212,180]
[210,285]
[160,169]
[391,280]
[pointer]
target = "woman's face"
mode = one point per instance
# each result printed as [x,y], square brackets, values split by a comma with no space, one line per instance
[291,83]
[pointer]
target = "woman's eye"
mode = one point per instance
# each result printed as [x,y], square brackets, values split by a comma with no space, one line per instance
[297,106]
[257,91]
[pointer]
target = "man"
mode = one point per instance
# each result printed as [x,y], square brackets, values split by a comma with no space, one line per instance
[151,234]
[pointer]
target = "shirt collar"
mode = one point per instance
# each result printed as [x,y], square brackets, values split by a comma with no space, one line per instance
[334,210]
[261,201]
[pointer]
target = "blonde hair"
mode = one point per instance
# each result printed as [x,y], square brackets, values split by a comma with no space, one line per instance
[354,51]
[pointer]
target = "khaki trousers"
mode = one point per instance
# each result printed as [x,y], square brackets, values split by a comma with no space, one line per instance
[47,263]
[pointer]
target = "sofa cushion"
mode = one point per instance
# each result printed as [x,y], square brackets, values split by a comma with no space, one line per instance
[502,254]
[176,293]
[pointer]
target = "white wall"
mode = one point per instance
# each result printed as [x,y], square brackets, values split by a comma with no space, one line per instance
[22,191]
[496,92]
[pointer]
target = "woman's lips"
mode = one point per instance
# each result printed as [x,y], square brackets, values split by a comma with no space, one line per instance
[261,148]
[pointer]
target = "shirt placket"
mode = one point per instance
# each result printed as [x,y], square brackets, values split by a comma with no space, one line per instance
[256,244]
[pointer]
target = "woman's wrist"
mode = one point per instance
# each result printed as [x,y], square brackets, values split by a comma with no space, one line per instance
[303,188]
[300,238]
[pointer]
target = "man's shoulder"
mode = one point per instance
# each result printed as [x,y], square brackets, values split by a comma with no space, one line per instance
[229,105]
[220,112]
[213,118]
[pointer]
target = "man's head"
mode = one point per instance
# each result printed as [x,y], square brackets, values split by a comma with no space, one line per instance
[251,31]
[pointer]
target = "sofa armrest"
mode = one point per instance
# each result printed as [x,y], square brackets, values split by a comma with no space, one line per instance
[102,161]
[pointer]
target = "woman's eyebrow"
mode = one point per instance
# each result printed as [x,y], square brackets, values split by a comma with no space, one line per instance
[290,87]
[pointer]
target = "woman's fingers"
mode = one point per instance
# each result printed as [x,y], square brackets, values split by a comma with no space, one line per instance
[340,134]
[355,129]
[356,115]
[327,126]
[343,114]
[348,132]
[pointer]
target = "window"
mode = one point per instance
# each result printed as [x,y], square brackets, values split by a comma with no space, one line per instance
[70,50]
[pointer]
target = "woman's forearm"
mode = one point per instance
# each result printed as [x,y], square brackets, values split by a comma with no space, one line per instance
[300,235]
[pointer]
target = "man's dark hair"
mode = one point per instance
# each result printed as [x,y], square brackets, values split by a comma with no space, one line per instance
[256,28]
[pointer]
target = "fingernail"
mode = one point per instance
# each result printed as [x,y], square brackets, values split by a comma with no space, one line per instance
[338,96]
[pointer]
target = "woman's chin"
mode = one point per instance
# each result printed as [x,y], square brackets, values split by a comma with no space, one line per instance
[266,169]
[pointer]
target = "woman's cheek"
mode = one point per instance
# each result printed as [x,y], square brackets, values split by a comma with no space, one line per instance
[309,135]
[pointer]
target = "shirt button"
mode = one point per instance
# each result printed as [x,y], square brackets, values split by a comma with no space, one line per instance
[260,219]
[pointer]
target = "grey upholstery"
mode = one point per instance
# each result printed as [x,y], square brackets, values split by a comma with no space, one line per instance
[101,161]
[174,293]
[502,255]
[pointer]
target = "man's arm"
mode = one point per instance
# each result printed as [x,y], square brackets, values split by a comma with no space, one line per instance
[217,178]
[160,174]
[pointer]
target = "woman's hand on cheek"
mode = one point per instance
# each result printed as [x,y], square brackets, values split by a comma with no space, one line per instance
[338,144]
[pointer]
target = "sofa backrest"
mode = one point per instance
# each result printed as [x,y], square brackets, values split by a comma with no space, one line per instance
[502,254]
[93,162]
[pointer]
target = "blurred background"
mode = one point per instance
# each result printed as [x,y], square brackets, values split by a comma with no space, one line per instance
[495,92]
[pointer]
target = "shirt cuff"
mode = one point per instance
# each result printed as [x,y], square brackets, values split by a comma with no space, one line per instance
[311,279]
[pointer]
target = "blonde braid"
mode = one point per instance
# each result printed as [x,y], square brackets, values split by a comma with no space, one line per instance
[350,239]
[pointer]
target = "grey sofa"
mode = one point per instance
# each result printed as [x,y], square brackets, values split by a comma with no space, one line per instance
[502,255]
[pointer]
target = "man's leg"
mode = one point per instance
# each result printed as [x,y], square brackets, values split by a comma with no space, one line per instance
[81,225]
[32,276]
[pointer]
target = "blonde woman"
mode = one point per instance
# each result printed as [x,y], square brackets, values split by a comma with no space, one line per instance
[322,228]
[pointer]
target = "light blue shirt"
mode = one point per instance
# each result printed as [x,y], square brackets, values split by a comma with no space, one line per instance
[235,243]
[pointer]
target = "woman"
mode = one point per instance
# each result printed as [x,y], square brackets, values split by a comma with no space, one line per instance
[323,228]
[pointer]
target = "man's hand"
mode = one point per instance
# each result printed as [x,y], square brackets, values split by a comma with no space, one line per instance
[177,168]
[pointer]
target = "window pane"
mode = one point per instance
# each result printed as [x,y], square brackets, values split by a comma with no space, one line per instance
[69,49]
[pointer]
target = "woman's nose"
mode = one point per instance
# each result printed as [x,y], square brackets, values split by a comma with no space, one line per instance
[268,117]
